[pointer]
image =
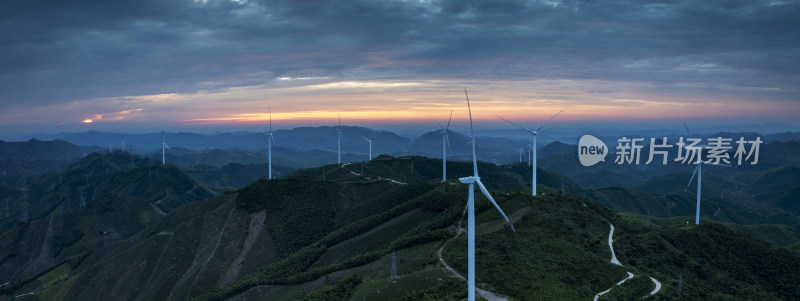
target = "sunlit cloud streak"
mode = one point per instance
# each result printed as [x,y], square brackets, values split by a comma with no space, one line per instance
[180,62]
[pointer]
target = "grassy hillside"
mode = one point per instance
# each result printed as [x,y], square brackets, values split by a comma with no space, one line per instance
[124,195]
[233,175]
[560,251]
[329,232]
[556,253]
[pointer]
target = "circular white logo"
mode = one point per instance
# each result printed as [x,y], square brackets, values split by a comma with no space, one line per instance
[591,150]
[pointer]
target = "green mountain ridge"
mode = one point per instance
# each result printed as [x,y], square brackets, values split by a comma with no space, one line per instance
[328,233]
[123,195]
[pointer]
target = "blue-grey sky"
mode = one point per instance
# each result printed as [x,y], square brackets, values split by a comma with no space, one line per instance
[167,64]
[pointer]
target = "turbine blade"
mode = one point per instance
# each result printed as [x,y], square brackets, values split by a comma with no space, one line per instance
[489,196]
[693,174]
[472,133]
[448,120]
[447,138]
[469,108]
[270,119]
[272,137]
[440,125]
[167,146]
[509,121]
[687,128]
[365,138]
[551,118]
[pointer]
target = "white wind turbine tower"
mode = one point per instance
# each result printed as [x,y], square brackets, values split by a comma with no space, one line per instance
[475,179]
[163,151]
[699,172]
[269,145]
[339,142]
[370,146]
[529,155]
[445,146]
[534,133]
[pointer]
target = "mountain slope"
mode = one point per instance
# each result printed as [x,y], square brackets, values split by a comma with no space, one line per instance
[123,195]
[560,252]
[330,231]
[33,150]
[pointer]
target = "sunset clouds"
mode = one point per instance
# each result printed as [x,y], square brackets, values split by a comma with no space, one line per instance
[184,62]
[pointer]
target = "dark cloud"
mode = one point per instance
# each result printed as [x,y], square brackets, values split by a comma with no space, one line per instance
[53,51]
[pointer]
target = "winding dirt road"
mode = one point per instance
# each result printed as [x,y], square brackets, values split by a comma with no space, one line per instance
[630,276]
[481,292]
[614,260]
[658,286]
[611,246]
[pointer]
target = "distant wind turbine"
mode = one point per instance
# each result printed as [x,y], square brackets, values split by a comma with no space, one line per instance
[370,146]
[445,146]
[339,142]
[163,151]
[529,155]
[475,179]
[269,144]
[699,172]
[534,133]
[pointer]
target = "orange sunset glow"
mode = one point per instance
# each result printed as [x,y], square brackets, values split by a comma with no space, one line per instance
[516,67]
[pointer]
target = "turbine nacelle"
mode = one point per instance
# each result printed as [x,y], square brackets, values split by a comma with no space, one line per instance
[472,180]
[694,173]
[469,180]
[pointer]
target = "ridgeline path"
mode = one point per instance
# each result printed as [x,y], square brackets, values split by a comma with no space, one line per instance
[614,260]
[481,292]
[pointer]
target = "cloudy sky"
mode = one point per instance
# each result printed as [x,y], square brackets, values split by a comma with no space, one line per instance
[128,65]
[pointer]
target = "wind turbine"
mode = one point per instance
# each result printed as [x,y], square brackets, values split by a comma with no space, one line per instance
[269,144]
[529,154]
[534,133]
[699,172]
[370,146]
[475,179]
[339,142]
[445,145]
[163,151]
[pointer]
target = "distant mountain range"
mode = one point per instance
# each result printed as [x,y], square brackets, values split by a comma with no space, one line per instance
[324,138]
